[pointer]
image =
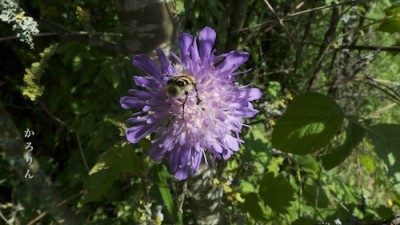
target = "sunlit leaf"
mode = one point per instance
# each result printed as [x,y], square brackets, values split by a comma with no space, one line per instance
[115,162]
[246,187]
[367,162]
[164,190]
[391,22]
[386,139]
[309,124]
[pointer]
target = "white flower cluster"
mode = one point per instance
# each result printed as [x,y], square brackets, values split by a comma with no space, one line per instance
[25,26]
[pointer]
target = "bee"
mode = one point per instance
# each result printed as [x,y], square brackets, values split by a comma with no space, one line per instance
[182,84]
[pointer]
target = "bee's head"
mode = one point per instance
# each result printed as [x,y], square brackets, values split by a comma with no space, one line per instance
[172,90]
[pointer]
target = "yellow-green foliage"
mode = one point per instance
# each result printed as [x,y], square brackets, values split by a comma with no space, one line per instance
[32,88]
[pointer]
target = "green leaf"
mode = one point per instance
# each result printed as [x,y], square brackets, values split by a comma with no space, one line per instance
[164,190]
[256,139]
[354,135]
[304,221]
[246,187]
[308,124]
[386,140]
[101,177]
[276,192]
[367,162]
[384,212]
[128,161]
[115,162]
[391,22]
[252,206]
[316,196]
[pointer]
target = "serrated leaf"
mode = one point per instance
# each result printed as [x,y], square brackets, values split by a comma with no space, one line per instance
[391,22]
[308,124]
[386,140]
[354,135]
[252,206]
[276,192]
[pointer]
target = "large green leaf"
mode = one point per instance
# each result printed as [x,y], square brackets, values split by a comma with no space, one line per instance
[252,206]
[386,140]
[308,124]
[391,22]
[276,192]
[115,162]
[101,177]
[315,196]
[354,134]
[165,192]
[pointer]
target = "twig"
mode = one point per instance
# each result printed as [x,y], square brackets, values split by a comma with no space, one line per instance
[328,38]
[318,8]
[394,97]
[47,34]
[281,23]
[72,129]
[4,218]
[367,47]
[292,15]
[40,216]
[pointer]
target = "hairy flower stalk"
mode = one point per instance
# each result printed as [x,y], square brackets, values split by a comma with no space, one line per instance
[193,105]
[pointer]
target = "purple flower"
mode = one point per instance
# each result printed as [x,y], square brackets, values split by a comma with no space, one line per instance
[192,106]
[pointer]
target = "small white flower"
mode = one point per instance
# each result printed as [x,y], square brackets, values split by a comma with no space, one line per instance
[338,222]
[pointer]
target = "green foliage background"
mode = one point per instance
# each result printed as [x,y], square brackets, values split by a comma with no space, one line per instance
[325,146]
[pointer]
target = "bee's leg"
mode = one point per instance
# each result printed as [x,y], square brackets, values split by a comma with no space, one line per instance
[184,102]
[197,94]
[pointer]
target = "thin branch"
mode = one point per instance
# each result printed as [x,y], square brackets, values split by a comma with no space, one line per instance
[293,15]
[40,216]
[329,37]
[90,38]
[281,23]
[72,129]
[394,97]
[74,33]
[369,48]
[318,8]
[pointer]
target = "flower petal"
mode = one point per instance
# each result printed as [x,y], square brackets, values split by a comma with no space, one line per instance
[254,94]
[157,150]
[185,42]
[206,42]
[232,143]
[164,62]
[145,82]
[135,133]
[144,63]
[182,173]
[131,102]
[232,61]
[143,95]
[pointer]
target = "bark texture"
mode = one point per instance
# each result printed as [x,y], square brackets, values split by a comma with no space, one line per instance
[147,25]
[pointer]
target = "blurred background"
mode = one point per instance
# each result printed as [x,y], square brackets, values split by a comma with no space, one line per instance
[64,158]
